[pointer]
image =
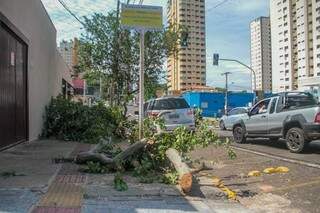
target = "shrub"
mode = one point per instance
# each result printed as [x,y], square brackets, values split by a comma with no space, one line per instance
[71,121]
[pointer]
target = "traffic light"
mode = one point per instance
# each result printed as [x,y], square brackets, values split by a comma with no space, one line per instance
[184,39]
[215,59]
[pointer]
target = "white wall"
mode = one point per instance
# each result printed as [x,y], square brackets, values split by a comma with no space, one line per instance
[44,64]
[62,71]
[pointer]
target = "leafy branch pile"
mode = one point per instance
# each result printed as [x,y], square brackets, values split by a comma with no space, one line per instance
[181,139]
[72,121]
[148,158]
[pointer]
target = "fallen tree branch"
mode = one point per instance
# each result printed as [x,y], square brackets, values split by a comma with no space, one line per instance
[184,171]
[84,157]
[94,155]
[131,150]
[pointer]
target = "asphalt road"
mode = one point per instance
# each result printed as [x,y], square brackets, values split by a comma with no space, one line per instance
[296,191]
[310,155]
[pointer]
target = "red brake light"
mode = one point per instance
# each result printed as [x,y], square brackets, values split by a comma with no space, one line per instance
[190,112]
[317,119]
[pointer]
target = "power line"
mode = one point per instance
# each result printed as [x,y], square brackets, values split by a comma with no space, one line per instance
[70,12]
[218,5]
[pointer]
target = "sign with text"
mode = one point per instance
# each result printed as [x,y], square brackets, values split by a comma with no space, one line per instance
[141,17]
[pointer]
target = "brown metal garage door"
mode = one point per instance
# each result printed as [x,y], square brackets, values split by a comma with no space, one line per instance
[13,88]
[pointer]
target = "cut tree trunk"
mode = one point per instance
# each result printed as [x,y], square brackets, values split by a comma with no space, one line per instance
[184,171]
[94,155]
[84,157]
[130,151]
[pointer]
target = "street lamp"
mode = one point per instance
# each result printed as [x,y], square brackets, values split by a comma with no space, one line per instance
[254,88]
[216,59]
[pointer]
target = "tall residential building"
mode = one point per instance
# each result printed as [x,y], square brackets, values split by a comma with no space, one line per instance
[69,52]
[187,68]
[295,29]
[261,53]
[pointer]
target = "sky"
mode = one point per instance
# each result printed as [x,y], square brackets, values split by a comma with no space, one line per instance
[227,31]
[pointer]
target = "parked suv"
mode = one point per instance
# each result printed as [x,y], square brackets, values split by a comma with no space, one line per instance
[293,116]
[175,111]
[227,121]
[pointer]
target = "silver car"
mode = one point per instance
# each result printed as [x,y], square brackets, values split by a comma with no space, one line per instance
[175,111]
[227,121]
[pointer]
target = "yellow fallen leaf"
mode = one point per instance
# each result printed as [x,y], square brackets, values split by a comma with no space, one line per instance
[269,170]
[254,174]
[230,194]
[282,169]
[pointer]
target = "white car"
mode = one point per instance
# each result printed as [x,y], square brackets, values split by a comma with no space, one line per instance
[227,121]
[175,111]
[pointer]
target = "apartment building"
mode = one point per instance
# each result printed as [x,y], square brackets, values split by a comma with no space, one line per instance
[69,52]
[295,29]
[261,53]
[187,68]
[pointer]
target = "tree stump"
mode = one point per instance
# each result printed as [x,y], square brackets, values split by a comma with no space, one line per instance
[184,171]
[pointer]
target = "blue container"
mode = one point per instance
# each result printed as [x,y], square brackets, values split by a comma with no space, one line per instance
[212,104]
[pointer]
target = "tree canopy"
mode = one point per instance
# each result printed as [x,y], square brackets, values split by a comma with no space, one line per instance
[111,53]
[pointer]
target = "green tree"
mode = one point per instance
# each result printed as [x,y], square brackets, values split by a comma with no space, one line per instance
[111,53]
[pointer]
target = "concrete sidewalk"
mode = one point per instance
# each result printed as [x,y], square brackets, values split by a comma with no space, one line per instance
[31,182]
[26,172]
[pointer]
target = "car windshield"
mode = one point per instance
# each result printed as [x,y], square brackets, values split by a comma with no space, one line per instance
[171,103]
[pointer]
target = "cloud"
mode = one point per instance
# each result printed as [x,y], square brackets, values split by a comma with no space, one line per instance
[251,6]
[67,26]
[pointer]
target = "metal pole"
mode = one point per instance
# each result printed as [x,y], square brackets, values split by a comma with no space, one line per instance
[141,85]
[226,96]
[226,93]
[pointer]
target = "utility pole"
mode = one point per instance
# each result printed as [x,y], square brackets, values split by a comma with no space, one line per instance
[226,92]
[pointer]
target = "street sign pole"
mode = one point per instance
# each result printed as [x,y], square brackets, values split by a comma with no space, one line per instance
[141,85]
[143,19]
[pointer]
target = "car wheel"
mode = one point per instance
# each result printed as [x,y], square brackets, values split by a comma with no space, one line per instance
[239,135]
[222,125]
[295,140]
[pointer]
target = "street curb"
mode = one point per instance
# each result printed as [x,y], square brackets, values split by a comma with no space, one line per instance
[304,163]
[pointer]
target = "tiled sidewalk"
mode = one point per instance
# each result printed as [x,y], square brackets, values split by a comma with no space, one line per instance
[65,194]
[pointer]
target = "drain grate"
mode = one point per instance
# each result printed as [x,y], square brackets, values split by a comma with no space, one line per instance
[74,179]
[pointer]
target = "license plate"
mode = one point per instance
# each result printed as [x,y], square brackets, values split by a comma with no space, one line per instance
[174,116]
